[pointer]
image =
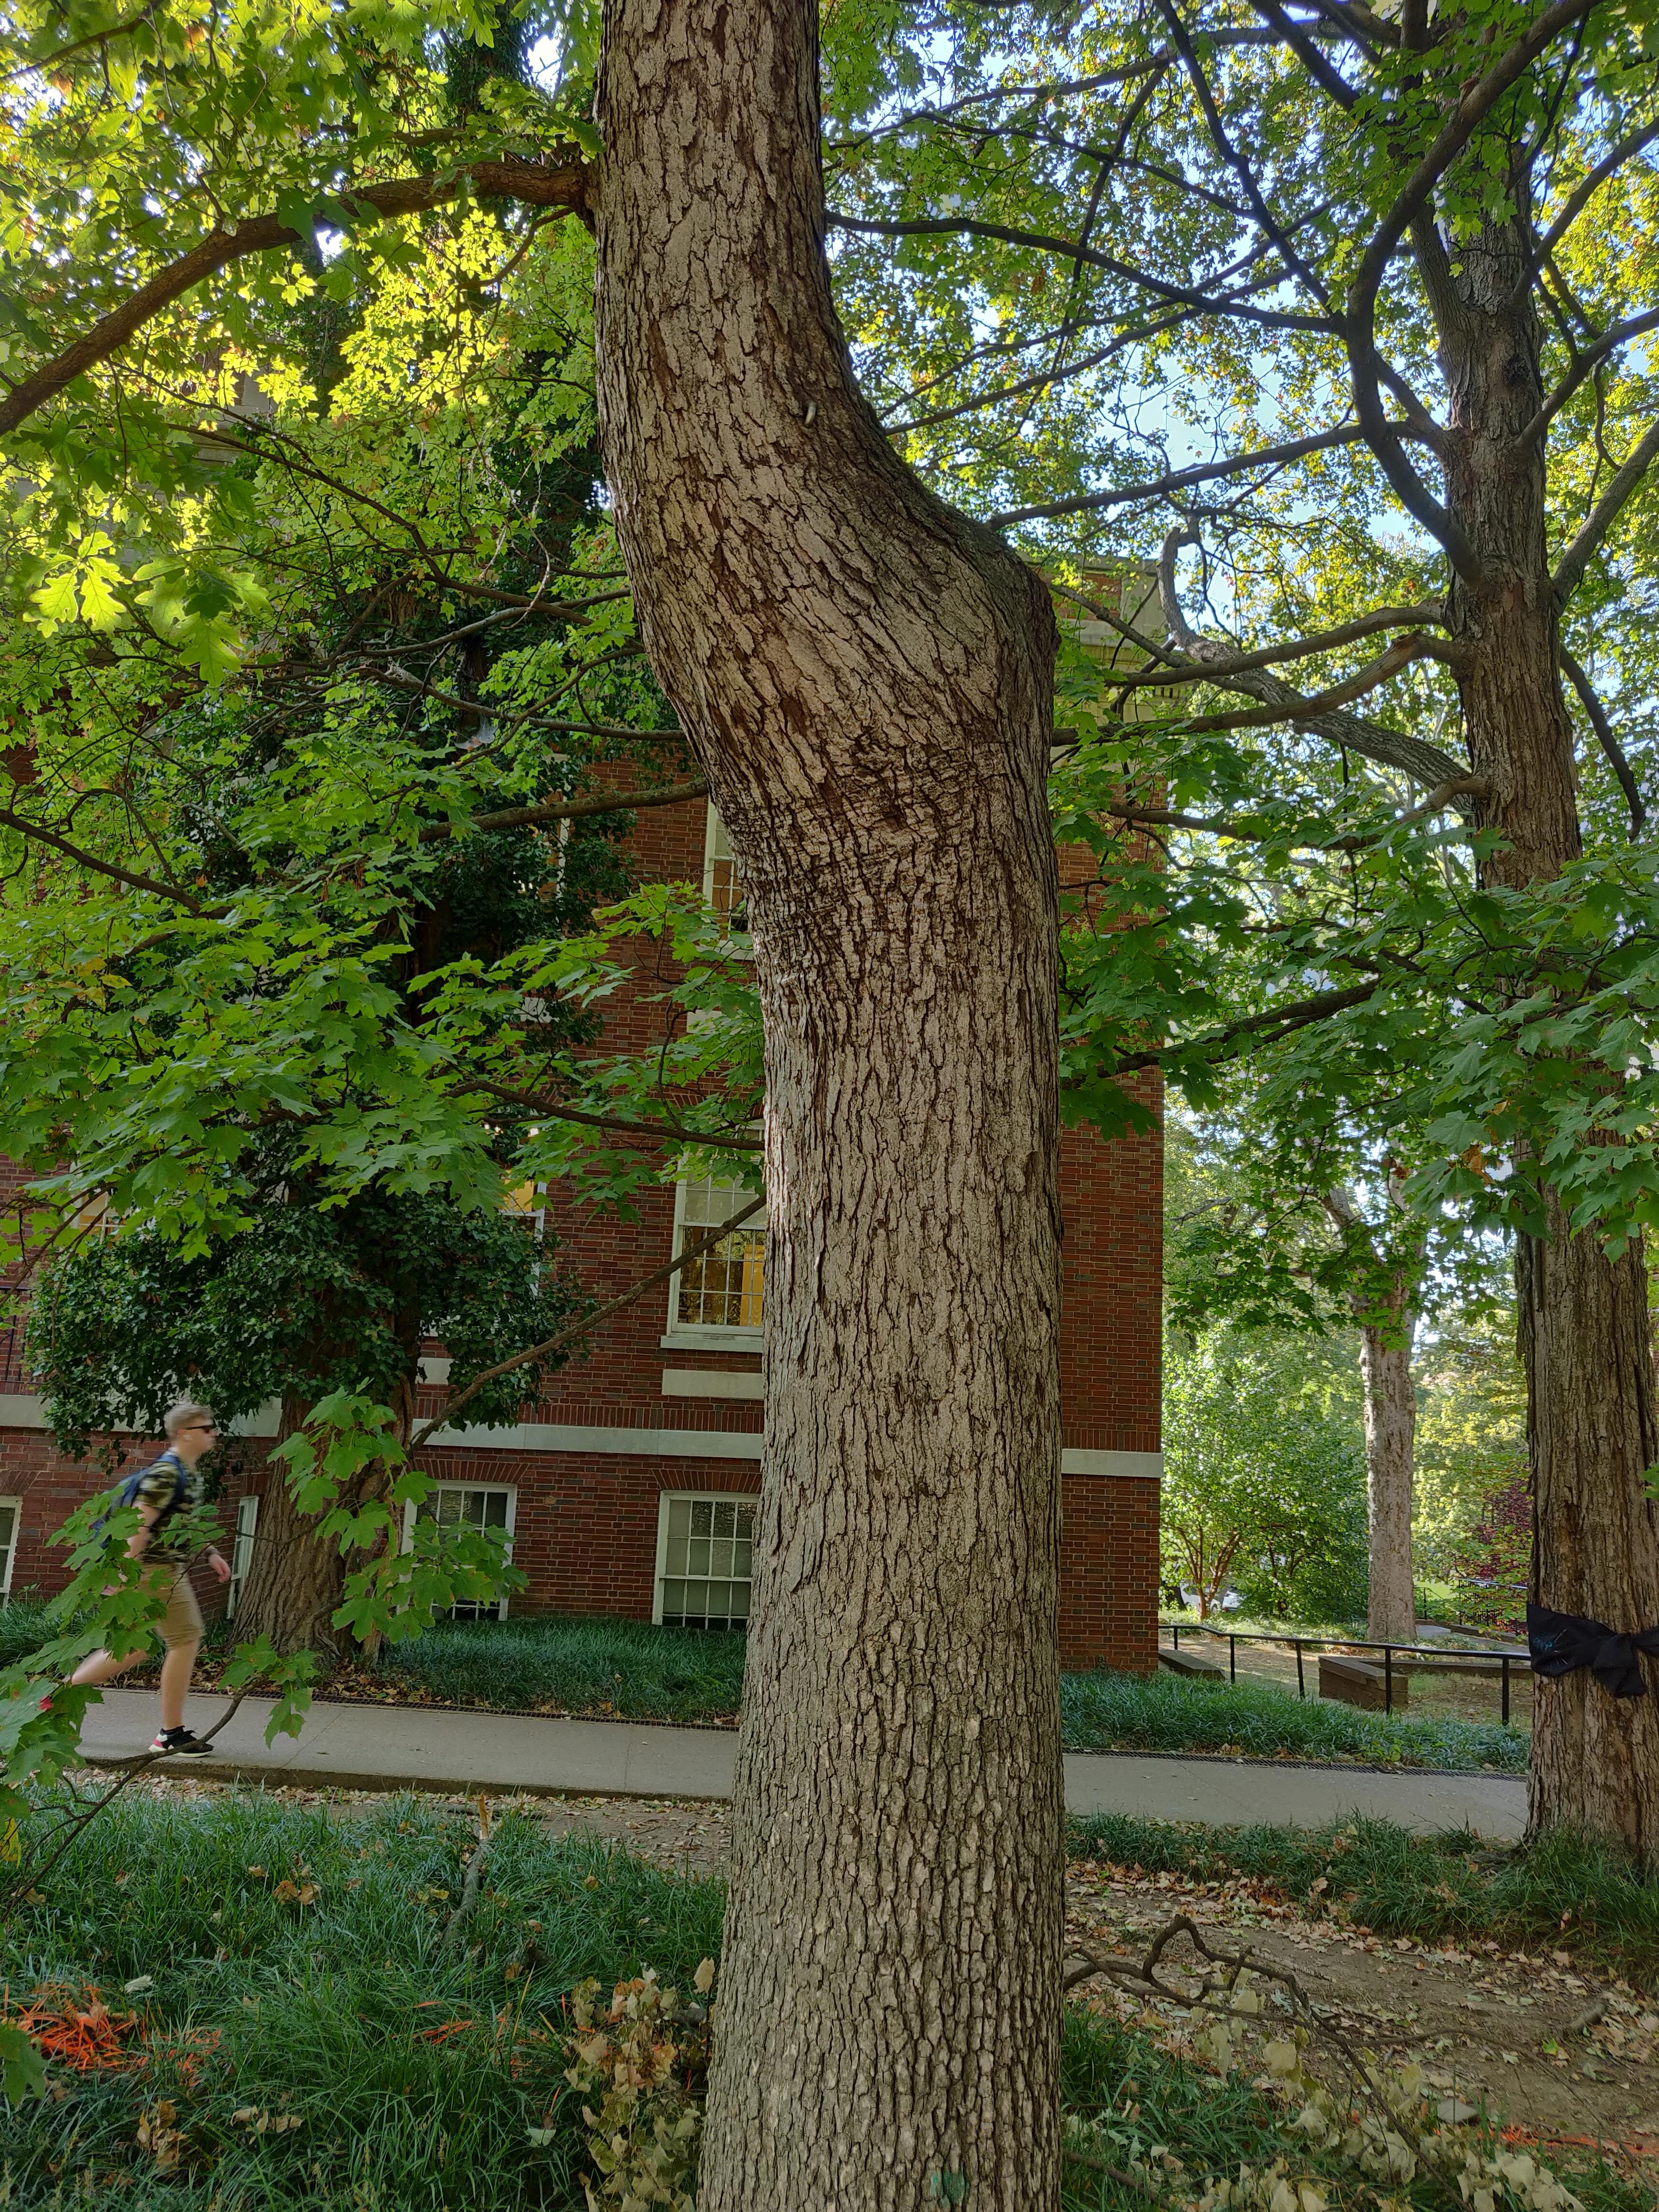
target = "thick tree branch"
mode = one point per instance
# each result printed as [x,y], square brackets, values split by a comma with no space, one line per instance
[1226,1043]
[1303,648]
[1244,831]
[1182,295]
[1364,358]
[694,1250]
[1606,738]
[1298,708]
[567,809]
[38,836]
[563,185]
[1266,457]
[1329,79]
[1602,516]
[665,1133]
[1425,763]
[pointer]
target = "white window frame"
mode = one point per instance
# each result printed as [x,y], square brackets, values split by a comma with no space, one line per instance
[536,1215]
[668,1499]
[242,1549]
[711,1336]
[716,848]
[511,1492]
[9,1557]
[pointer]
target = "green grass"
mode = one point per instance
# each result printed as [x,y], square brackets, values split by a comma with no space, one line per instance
[324,2011]
[627,1668]
[24,1627]
[577,1664]
[1165,1712]
[1563,1893]
[320,2010]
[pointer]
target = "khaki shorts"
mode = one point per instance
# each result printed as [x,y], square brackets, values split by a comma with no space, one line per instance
[181,1623]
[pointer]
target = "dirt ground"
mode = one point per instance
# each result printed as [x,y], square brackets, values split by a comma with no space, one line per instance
[1539,2042]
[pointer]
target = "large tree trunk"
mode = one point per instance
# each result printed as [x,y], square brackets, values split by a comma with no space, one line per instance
[1385,1370]
[295,1581]
[865,677]
[1584,1321]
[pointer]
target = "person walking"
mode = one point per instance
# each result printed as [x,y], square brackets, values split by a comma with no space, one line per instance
[164,1494]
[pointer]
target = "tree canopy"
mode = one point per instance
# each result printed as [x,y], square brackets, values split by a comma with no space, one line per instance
[1333,320]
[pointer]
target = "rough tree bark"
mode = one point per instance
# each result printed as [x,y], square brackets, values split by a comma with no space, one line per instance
[1389,1401]
[865,676]
[293,1580]
[1584,1321]
[1385,1373]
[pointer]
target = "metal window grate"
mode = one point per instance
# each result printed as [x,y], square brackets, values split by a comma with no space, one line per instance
[708,1562]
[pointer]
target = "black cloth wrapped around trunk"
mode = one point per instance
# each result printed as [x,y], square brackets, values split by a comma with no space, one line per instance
[1561,1643]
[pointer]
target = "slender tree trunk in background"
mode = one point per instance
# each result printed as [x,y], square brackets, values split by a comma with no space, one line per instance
[1584,1320]
[294,1581]
[1385,1370]
[1390,1412]
[865,677]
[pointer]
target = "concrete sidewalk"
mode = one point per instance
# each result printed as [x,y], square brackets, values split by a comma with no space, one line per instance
[415,1747]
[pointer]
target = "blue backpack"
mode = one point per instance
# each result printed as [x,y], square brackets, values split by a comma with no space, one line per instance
[128,1495]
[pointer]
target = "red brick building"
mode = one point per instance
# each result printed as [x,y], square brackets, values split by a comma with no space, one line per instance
[629,1490]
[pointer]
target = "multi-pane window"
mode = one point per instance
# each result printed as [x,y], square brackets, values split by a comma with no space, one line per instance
[475,1506]
[722,886]
[10,1512]
[527,1203]
[705,1552]
[725,1287]
[241,1551]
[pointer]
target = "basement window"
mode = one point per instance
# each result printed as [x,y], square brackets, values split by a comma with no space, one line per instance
[473,1505]
[11,1512]
[705,1560]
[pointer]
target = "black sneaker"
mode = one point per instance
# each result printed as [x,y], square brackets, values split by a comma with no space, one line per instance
[172,1740]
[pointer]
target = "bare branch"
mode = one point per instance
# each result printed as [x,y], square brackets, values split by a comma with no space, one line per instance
[1606,738]
[536,1352]
[402,680]
[667,1134]
[568,810]
[1226,1042]
[38,836]
[1303,648]
[1585,362]
[539,185]
[1606,512]
[1425,763]
[1067,248]
[1265,457]
[1291,260]
[1296,708]
[44,62]
[1590,184]
[1244,831]
[1365,360]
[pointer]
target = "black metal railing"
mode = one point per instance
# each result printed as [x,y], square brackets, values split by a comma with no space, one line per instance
[1339,1644]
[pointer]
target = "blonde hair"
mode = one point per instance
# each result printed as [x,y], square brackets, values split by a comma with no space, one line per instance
[184,1415]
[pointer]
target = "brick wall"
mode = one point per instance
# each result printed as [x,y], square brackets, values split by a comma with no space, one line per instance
[1109,1572]
[586,1530]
